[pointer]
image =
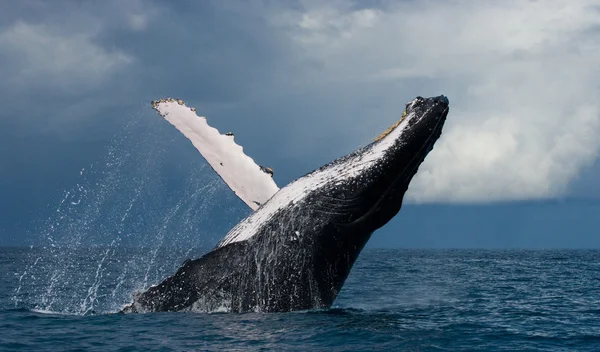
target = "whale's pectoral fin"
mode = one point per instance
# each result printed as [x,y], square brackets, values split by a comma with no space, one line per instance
[252,183]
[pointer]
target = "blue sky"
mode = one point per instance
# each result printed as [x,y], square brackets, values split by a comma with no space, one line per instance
[300,83]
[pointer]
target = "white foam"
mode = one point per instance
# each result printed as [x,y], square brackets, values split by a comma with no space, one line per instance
[245,178]
[51,312]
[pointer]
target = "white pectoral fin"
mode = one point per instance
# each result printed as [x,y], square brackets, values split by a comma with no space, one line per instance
[253,184]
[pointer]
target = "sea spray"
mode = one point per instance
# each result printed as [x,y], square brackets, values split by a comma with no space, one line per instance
[128,199]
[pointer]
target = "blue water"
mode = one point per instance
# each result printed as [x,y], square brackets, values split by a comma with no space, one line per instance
[415,300]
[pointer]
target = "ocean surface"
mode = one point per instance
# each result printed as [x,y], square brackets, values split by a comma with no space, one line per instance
[61,299]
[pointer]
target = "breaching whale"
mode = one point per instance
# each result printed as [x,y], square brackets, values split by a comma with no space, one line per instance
[296,249]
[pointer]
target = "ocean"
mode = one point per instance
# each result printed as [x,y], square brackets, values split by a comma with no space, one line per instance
[64,299]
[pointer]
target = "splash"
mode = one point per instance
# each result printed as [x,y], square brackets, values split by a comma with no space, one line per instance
[126,224]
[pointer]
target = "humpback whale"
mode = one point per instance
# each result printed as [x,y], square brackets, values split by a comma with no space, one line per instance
[296,249]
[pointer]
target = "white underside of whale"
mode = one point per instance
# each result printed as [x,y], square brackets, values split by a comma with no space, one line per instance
[246,178]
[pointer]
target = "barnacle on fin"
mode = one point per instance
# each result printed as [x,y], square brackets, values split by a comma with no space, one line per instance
[267,170]
[155,103]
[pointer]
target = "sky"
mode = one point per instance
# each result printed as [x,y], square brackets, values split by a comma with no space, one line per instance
[299,83]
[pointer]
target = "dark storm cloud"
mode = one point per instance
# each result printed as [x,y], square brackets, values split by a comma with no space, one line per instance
[299,83]
[75,74]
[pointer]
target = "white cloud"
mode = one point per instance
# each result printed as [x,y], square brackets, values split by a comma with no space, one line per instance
[138,22]
[522,78]
[44,56]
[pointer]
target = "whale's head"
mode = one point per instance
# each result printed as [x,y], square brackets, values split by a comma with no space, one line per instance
[375,178]
[355,194]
